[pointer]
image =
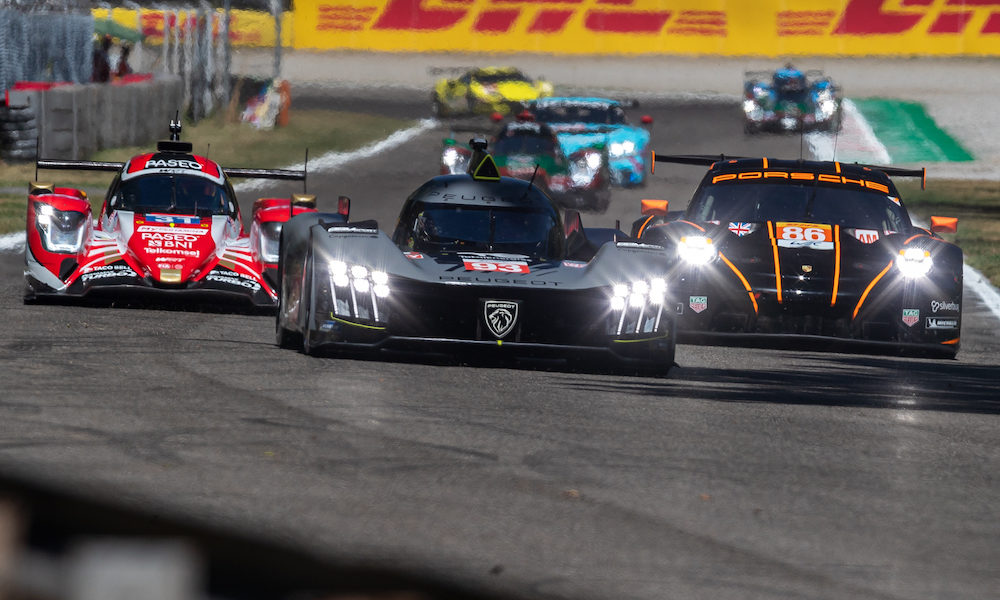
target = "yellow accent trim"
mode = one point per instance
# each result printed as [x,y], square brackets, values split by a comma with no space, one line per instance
[649,339]
[339,320]
[746,284]
[499,342]
[869,289]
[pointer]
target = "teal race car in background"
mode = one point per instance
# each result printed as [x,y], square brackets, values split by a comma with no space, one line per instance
[588,122]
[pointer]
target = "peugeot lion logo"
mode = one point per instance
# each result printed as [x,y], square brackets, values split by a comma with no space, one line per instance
[500,316]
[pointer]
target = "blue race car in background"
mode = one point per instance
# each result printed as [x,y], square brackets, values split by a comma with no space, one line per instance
[790,100]
[589,122]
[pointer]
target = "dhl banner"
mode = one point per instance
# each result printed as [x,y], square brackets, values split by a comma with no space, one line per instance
[695,27]
[246,27]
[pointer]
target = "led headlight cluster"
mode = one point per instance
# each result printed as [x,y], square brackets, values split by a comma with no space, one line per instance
[697,249]
[270,241]
[61,230]
[637,307]
[454,160]
[583,169]
[621,148]
[914,262]
[358,292]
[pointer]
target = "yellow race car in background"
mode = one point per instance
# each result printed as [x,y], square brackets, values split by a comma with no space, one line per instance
[487,90]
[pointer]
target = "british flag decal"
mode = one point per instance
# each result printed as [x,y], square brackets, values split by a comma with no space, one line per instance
[741,229]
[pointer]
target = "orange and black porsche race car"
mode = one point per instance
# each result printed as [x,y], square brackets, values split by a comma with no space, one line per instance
[808,248]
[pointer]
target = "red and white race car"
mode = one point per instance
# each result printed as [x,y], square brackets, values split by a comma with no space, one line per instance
[170,225]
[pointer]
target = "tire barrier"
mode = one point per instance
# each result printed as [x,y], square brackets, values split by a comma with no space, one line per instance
[18,133]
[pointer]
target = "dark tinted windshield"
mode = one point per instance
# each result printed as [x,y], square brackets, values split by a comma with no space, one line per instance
[758,202]
[581,113]
[173,194]
[525,143]
[495,78]
[448,227]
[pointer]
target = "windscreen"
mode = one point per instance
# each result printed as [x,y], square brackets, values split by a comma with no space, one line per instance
[581,113]
[809,202]
[172,194]
[446,227]
[525,143]
[495,78]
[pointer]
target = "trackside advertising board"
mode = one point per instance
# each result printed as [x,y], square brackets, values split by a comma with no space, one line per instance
[695,27]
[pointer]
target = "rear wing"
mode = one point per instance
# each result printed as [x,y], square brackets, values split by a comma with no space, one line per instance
[98,165]
[707,160]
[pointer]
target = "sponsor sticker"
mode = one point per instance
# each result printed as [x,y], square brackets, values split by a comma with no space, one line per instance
[804,235]
[937,305]
[413,255]
[911,316]
[169,231]
[500,316]
[173,163]
[940,323]
[866,236]
[351,229]
[485,263]
[741,229]
[576,264]
[173,219]
[698,303]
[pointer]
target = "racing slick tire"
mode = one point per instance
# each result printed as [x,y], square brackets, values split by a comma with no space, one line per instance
[283,337]
[307,303]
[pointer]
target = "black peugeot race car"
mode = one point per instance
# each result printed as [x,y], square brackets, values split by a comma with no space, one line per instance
[478,264]
[808,248]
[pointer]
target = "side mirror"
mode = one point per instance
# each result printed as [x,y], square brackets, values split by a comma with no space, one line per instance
[655,207]
[572,223]
[37,189]
[944,224]
[344,207]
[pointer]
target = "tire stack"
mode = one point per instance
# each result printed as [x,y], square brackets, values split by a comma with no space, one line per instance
[18,134]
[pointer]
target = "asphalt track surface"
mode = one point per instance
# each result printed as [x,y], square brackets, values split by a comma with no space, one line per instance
[747,473]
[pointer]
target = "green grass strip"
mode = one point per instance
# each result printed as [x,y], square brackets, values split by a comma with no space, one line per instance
[909,133]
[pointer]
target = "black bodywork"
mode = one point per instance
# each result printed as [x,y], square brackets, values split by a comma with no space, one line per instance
[483,265]
[809,248]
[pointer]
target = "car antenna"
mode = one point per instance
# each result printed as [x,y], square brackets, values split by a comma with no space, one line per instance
[530,181]
[305,172]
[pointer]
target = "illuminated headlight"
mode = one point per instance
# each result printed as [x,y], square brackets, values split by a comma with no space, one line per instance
[749,106]
[359,293]
[638,293]
[827,107]
[270,241]
[914,262]
[637,308]
[61,230]
[454,160]
[584,169]
[789,122]
[697,249]
[621,148]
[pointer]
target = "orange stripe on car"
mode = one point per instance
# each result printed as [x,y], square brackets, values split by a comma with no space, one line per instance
[913,237]
[777,265]
[868,289]
[646,222]
[951,342]
[743,280]
[765,162]
[836,263]
[695,225]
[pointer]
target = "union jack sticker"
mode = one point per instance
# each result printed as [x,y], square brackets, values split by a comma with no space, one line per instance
[741,229]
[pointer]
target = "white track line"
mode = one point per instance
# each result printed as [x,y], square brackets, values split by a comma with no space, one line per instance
[332,160]
[14,242]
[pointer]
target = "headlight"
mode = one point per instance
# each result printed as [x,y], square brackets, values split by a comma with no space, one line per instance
[914,262]
[621,148]
[637,307]
[358,292]
[454,160]
[61,230]
[583,169]
[697,249]
[270,240]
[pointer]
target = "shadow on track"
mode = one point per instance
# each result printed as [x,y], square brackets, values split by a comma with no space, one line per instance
[851,381]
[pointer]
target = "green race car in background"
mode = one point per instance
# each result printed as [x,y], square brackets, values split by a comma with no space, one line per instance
[487,90]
